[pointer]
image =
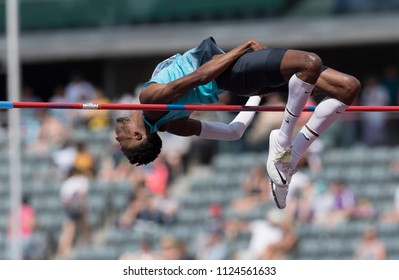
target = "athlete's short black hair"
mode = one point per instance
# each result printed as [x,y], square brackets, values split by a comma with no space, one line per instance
[146,152]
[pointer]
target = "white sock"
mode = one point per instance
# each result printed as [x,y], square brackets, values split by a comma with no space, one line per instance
[298,94]
[325,114]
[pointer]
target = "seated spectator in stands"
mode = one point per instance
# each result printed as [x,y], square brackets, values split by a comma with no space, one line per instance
[157,175]
[28,95]
[370,246]
[74,198]
[337,204]
[142,207]
[256,190]
[51,133]
[214,247]
[145,252]
[301,196]
[175,152]
[283,248]
[364,209]
[63,158]
[59,97]
[79,90]
[149,214]
[392,216]
[374,124]
[274,229]
[172,249]
[168,207]
[301,207]
[214,220]
[98,120]
[84,160]
[27,227]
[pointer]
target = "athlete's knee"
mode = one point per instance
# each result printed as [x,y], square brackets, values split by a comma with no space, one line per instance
[311,67]
[351,89]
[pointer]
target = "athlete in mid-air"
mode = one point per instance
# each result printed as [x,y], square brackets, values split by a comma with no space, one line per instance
[200,74]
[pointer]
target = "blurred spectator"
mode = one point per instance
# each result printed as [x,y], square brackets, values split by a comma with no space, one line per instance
[214,224]
[390,80]
[364,209]
[214,247]
[59,97]
[283,248]
[271,231]
[32,248]
[175,152]
[374,124]
[392,216]
[336,205]
[127,98]
[29,120]
[172,249]
[144,253]
[74,198]
[64,158]
[141,208]
[28,95]
[301,207]
[370,246]
[84,160]
[168,207]
[98,120]
[157,175]
[256,190]
[214,220]
[51,133]
[79,89]
[301,195]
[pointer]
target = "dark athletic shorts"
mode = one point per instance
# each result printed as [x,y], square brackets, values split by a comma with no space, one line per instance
[253,72]
[256,73]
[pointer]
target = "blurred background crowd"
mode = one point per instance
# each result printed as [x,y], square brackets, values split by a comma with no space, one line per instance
[200,199]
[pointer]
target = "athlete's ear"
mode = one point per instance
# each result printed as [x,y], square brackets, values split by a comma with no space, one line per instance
[138,135]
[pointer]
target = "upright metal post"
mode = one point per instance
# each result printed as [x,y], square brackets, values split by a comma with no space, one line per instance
[14,132]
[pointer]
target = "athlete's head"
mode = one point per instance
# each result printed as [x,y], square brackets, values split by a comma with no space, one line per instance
[137,144]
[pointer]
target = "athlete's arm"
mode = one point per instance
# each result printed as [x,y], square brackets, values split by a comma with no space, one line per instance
[167,93]
[232,131]
[215,130]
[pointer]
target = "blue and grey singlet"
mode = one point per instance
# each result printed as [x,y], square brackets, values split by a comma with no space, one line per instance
[180,65]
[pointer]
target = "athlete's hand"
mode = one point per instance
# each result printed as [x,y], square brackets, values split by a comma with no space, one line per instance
[256,45]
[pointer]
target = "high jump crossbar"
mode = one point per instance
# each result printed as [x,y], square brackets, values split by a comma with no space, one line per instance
[175,107]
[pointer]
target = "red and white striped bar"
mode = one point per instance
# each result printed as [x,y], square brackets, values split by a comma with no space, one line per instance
[175,107]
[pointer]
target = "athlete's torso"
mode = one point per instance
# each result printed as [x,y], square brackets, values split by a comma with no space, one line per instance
[180,65]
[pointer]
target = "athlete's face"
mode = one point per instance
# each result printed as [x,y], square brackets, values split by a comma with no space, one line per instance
[127,133]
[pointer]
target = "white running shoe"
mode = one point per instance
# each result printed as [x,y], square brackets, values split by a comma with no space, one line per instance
[279,170]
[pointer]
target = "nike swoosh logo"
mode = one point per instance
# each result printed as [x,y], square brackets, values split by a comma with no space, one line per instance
[306,137]
[287,121]
[338,112]
[283,180]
